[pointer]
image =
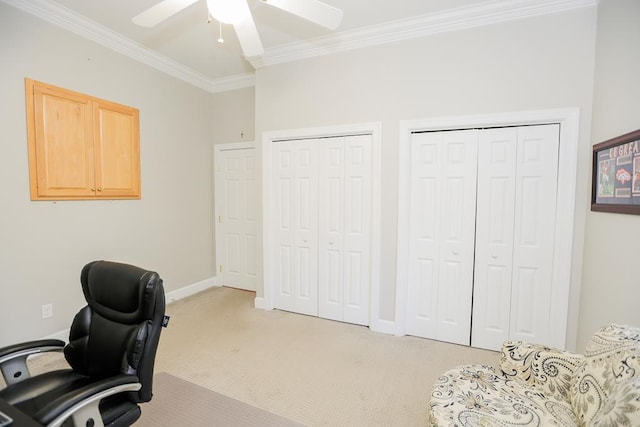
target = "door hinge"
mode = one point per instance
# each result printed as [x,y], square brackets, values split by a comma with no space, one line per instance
[220,268]
[219,218]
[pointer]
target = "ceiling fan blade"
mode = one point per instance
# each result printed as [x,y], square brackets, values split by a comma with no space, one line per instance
[161,11]
[312,10]
[248,37]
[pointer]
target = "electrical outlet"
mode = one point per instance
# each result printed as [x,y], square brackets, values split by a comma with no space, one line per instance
[47,311]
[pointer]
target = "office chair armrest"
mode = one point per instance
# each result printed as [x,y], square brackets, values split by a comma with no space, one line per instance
[82,404]
[13,358]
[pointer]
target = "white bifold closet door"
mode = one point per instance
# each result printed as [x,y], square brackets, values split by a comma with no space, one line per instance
[481,239]
[323,199]
[517,191]
[345,197]
[441,241]
[295,167]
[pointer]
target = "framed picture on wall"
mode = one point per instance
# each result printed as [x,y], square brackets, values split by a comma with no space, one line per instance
[616,175]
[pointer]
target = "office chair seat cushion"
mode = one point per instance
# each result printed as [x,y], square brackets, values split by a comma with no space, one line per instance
[118,410]
[33,394]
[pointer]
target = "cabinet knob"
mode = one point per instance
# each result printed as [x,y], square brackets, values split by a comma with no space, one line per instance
[331,242]
[455,252]
[99,189]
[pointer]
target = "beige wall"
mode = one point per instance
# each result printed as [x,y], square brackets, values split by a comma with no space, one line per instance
[43,245]
[501,68]
[611,284]
[539,63]
[233,115]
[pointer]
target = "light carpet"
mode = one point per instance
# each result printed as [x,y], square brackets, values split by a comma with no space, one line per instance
[177,402]
[313,371]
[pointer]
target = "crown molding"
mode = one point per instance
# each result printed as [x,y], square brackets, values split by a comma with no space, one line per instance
[486,13]
[237,81]
[482,14]
[80,25]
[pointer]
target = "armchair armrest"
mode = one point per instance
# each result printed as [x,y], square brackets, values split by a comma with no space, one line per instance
[543,368]
[13,358]
[83,404]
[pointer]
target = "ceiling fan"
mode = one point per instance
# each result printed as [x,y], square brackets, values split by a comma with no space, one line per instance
[237,13]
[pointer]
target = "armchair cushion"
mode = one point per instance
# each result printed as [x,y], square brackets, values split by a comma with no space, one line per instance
[542,386]
[479,395]
[612,366]
[542,368]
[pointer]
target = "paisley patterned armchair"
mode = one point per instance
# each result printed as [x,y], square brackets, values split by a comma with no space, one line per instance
[542,386]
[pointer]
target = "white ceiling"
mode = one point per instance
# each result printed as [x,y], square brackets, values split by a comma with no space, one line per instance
[185,45]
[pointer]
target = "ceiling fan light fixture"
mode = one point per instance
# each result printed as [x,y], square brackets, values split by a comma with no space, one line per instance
[228,11]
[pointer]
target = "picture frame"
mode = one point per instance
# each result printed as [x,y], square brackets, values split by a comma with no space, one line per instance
[616,175]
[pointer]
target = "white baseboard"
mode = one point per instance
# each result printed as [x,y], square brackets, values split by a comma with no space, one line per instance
[383,326]
[60,335]
[379,325]
[189,290]
[258,302]
[170,297]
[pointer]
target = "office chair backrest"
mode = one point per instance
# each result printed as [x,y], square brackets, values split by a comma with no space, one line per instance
[119,329]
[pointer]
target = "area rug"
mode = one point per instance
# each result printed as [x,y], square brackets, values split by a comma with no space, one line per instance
[177,402]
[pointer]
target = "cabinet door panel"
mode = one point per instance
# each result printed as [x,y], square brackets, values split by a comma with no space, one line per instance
[118,152]
[64,149]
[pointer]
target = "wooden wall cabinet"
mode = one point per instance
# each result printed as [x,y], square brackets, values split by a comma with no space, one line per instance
[80,147]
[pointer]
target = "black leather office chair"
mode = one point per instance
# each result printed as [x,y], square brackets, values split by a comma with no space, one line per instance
[111,351]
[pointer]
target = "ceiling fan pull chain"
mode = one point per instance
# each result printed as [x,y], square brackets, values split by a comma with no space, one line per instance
[220,39]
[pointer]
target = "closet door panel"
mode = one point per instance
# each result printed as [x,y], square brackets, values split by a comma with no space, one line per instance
[424,225]
[331,229]
[458,235]
[305,222]
[441,244]
[345,197]
[534,231]
[494,237]
[357,238]
[282,161]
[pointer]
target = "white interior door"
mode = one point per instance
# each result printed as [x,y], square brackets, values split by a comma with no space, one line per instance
[441,236]
[494,237]
[534,233]
[345,203]
[235,215]
[295,192]
[517,193]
